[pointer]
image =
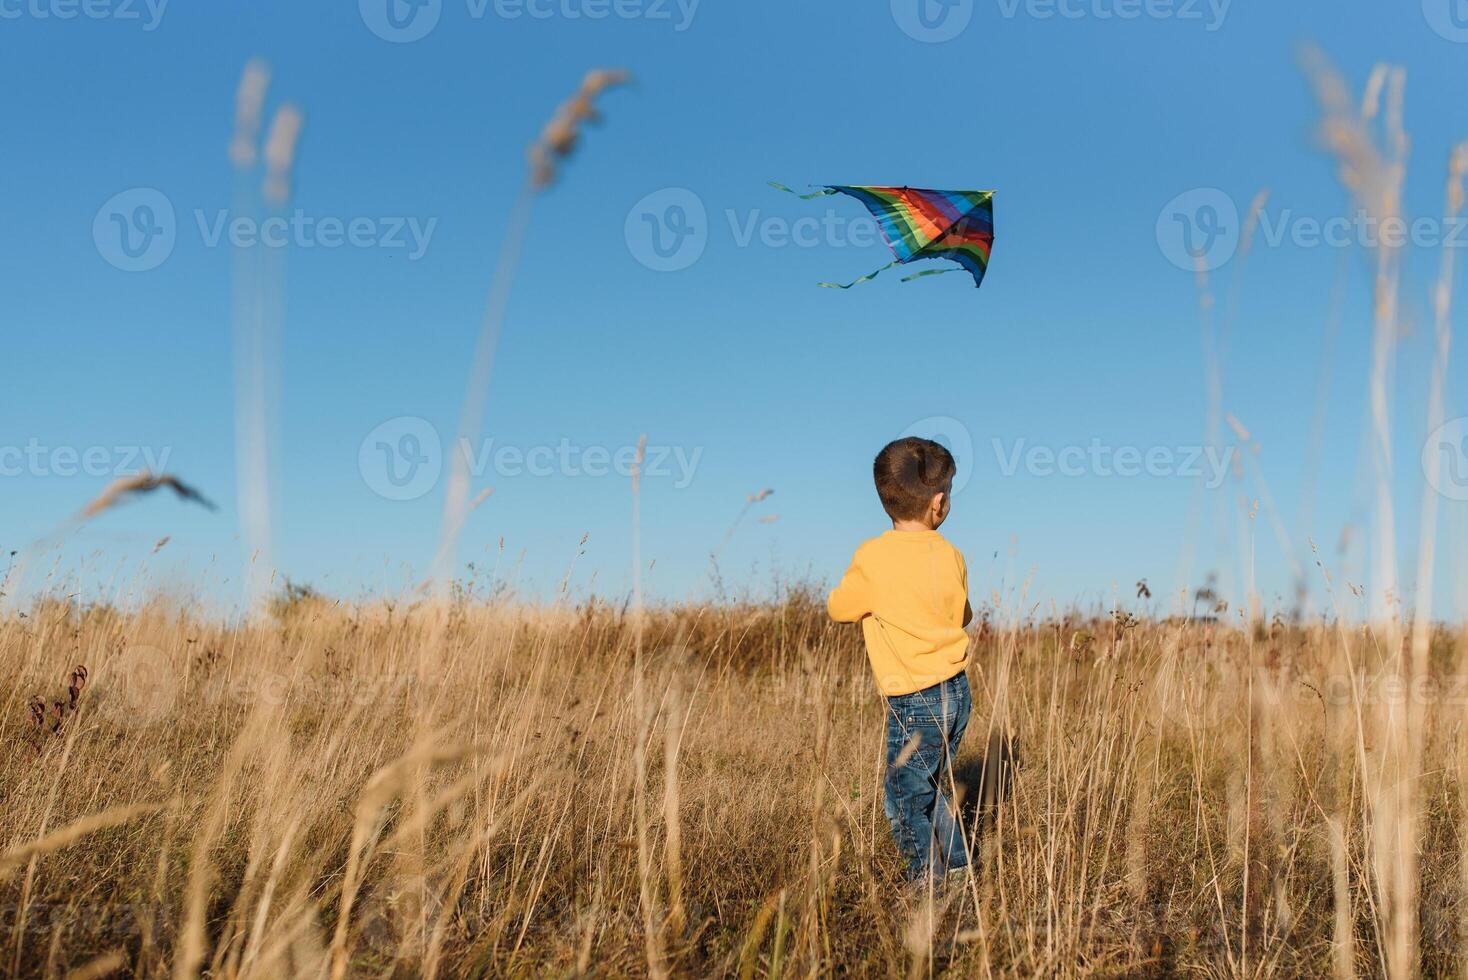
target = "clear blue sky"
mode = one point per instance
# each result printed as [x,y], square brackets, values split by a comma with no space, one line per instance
[1084,333]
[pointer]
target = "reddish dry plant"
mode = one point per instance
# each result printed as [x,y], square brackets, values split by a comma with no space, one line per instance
[59,710]
[78,682]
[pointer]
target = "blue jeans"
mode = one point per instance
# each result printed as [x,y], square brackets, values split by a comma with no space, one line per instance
[923,732]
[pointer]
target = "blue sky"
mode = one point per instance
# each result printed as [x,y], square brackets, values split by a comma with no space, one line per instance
[1088,117]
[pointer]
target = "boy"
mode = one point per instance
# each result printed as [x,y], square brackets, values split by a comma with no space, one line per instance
[909,590]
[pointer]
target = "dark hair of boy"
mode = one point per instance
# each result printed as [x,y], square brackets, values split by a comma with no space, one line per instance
[908,472]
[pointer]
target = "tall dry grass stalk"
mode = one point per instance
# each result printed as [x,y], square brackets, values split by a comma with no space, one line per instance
[1373,170]
[258,314]
[555,144]
[1215,340]
[750,501]
[1422,627]
[1370,146]
[251,359]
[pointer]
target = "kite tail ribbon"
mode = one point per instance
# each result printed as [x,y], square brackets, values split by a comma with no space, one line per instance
[823,192]
[827,192]
[865,278]
[928,272]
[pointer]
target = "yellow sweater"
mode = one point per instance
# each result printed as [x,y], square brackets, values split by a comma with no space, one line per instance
[909,590]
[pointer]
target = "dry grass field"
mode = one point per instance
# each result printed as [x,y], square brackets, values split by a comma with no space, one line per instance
[496,790]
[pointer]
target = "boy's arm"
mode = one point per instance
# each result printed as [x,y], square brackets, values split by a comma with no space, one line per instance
[968,610]
[850,601]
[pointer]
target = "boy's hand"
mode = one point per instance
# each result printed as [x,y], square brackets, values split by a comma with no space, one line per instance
[850,601]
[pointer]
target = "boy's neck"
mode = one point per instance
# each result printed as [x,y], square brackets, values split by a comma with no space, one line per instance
[912,526]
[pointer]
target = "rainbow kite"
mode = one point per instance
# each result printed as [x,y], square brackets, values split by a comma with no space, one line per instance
[924,224]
